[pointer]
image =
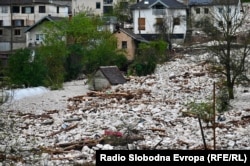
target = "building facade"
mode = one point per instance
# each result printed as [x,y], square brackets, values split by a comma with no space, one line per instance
[150,16]
[98,7]
[17,15]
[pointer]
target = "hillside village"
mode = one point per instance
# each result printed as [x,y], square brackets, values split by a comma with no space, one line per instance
[20,26]
[158,111]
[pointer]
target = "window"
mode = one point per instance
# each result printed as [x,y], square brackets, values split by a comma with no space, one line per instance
[16,9]
[124,5]
[28,9]
[39,37]
[17,32]
[158,24]
[141,25]
[107,9]
[229,10]
[206,10]
[98,5]
[57,9]
[1,22]
[3,9]
[177,21]
[220,10]
[159,21]
[124,45]
[229,24]
[1,32]
[42,9]
[18,23]
[220,23]
[108,1]
[198,10]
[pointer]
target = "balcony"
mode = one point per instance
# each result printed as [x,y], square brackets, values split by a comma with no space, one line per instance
[159,11]
[105,2]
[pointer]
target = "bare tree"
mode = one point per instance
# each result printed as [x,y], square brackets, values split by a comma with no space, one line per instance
[122,11]
[229,54]
[165,25]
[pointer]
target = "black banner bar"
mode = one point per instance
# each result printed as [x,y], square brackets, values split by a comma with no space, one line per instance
[172,157]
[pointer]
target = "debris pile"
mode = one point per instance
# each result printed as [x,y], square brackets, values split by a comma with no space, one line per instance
[144,113]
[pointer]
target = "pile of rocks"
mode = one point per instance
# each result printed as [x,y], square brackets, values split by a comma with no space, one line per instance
[144,113]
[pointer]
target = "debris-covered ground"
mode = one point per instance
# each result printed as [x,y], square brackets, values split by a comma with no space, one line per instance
[67,126]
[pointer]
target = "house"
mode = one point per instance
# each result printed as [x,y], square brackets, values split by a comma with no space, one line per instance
[35,34]
[152,18]
[105,77]
[98,7]
[17,15]
[128,41]
[205,12]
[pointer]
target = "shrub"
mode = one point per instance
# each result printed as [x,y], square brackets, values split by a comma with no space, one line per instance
[73,63]
[204,110]
[103,53]
[26,68]
[148,55]
[222,100]
[53,57]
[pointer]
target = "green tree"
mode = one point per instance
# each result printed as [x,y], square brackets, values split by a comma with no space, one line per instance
[103,52]
[79,44]
[26,68]
[74,61]
[148,56]
[121,10]
[53,58]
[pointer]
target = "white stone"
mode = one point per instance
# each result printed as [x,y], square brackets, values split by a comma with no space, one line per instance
[230,136]
[85,149]
[107,147]
[231,143]
[100,146]
[131,147]
[3,148]
[95,148]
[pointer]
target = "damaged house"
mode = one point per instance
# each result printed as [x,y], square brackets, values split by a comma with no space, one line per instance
[106,76]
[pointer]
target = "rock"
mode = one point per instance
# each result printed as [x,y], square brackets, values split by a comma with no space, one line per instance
[231,143]
[131,147]
[107,147]
[47,122]
[3,148]
[100,146]
[86,149]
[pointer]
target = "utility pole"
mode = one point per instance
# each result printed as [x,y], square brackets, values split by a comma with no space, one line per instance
[214,124]
[11,28]
[139,20]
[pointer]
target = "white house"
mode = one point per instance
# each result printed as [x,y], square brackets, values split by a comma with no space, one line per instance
[35,34]
[150,15]
[17,15]
[98,7]
[213,11]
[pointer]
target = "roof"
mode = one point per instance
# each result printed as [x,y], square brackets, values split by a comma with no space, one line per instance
[212,2]
[46,18]
[146,4]
[133,35]
[13,2]
[113,74]
[26,2]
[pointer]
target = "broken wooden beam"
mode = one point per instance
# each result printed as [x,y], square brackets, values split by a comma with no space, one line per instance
[65,129]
